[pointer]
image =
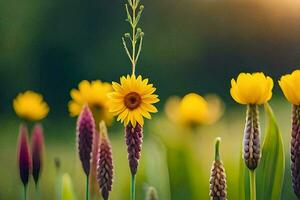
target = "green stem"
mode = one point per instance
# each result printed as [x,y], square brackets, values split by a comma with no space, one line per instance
[132,188]
[87,189]
[252,185]
[37,192]
[25,192]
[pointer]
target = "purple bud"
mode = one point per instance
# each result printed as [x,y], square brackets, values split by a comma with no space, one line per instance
[24,159]
[251,142]
[85,132]
[105,164]
[295,150]
[134,140]
[37,148]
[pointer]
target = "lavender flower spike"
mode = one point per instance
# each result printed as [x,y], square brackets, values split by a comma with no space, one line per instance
[295,150]
[252,131]
[85,132]
[105,164]
[24,159]
[37,151]
[218,187]
[134,140]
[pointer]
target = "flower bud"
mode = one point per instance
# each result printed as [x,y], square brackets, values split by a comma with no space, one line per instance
[217,180]
[37,152]
[295,150]
[105,164]
[134,140]
[251,142]
[85,132]
[151,194]
[24,159]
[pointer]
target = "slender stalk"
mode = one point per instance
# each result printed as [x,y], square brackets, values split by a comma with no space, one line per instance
[133,39]
[25,192]
[87,189]
[252,185]
[132,188]
[37,192]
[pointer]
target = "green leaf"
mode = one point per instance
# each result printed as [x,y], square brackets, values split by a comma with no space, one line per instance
[270,172]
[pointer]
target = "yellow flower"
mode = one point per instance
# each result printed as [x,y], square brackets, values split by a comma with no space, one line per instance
[31,106]
[255,88]
[290,85]
[94,94]
[194,109]
[132,100]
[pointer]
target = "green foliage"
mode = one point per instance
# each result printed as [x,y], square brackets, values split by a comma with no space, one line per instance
[270,172]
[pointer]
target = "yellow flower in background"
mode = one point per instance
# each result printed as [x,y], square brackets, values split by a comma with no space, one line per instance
[94,94]
[30,106]
[290,85]
[132,100]
[255,88]
[193,109]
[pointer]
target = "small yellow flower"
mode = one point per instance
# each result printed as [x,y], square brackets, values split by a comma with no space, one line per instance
[132,100]
[290,85]
[255,88]
[30,106]
[194,109]
[94,94]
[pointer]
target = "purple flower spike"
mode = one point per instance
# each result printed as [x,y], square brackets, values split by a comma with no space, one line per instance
[85,132]
[134,140]
[295,150]
[37,142]
[105,163]
[24,159]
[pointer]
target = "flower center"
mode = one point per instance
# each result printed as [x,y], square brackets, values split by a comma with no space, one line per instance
[132,100]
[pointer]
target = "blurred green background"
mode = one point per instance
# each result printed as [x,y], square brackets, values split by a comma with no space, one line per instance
[192,45]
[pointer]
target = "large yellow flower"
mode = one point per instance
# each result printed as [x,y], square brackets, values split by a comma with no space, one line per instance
[290,85]
[30,106]
[132,100]
[94,94]
[255,88]
[193,109]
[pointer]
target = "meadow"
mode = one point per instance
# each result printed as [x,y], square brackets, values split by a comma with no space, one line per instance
[177,162]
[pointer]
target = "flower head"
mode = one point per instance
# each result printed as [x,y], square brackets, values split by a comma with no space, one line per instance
[194,109]
[218,186]
[105,163]
[290,84]
[132,100]
[24,159]
[255,88]
[85,134]
[37,151]
[94,94]
[31,106]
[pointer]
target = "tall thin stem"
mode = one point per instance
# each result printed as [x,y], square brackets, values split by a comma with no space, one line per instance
[25,192]
[132,188]
[37,192]
[87,189]
[133,39]
[252,185]
[136,35]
